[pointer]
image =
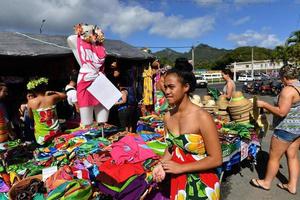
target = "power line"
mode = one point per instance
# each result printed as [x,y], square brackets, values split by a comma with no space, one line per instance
[166,47]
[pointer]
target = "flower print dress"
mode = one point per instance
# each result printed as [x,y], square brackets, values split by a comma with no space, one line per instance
[92,59]
[187,148]
[46,125]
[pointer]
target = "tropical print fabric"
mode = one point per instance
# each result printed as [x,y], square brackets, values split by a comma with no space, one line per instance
[189,148]
[161,104]
[148,87]
[46,124]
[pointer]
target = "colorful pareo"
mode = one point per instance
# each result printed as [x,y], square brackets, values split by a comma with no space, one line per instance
[46,124]
[161,104]
[189,148]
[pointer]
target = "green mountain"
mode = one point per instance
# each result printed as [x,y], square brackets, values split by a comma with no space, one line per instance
[214,58]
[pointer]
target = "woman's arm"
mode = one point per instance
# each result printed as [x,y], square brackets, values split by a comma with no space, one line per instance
[284,104]
[212,145]
[123,98]
[29,109]
[57,96]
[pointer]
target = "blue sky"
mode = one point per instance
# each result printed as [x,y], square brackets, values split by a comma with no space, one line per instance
[161,23]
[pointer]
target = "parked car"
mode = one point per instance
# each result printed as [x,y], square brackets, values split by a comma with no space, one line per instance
[201,82]
[245,77]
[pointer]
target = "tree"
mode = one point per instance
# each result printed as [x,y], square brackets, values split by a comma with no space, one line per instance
[280,53]
[293,39]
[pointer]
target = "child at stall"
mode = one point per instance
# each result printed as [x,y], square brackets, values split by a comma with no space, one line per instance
[42,109]
[26,122]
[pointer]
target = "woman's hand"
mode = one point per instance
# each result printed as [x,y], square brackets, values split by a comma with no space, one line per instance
[172,167]
[158,173]
[260,104]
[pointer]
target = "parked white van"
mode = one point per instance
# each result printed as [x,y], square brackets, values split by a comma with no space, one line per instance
[245,77]
[217,76]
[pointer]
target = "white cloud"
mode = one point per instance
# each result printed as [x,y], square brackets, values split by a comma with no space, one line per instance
[208,2]
[253,1]
[253,38]
[241,21]
[175,27]
[114,15]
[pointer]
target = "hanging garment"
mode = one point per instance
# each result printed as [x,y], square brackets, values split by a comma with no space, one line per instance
[46,125]
[189,148]
[148,87]
[92,59]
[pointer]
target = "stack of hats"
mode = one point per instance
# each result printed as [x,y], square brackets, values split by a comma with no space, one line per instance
[209,104]
[222,104]
[196,99]
[240,108]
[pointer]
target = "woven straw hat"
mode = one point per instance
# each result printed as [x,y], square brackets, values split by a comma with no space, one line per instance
[222,102]
[196,99]
[210,103]
[206,98]
[241,116]
[238,100]
[222,113]
[238,110]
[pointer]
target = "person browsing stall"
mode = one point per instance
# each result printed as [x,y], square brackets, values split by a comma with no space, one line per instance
[6,131]
[71,93]
[286,136]
[42,109]
[229,86]
[194,149]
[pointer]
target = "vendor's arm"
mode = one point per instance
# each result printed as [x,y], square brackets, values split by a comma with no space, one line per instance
[213,159]
[284,104]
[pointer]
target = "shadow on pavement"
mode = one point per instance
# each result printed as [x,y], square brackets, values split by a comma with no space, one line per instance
[261,167]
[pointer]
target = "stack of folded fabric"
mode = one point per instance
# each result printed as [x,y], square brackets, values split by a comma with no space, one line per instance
[124,176]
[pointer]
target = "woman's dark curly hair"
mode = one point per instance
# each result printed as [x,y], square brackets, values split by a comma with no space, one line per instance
[184,70]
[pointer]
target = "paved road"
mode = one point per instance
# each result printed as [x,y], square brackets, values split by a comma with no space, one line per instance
[235,185]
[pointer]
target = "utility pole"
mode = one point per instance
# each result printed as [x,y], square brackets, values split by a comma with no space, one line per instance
[252,67]
[193,57]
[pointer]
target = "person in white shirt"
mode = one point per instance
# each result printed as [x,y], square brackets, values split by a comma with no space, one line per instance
[70,91]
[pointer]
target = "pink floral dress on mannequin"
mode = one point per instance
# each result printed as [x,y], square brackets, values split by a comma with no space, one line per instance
[92,58]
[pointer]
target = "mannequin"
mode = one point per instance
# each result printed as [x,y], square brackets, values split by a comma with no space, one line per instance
[90,54]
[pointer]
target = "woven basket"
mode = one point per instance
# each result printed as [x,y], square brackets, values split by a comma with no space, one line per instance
[12,194]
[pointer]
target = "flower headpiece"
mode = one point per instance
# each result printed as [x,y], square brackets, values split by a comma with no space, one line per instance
[89,33]
[34,83]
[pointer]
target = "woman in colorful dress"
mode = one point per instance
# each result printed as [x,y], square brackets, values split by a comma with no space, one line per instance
[194,150]
[42,109]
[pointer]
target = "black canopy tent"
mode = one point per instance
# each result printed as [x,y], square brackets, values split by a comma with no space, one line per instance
[25,55]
